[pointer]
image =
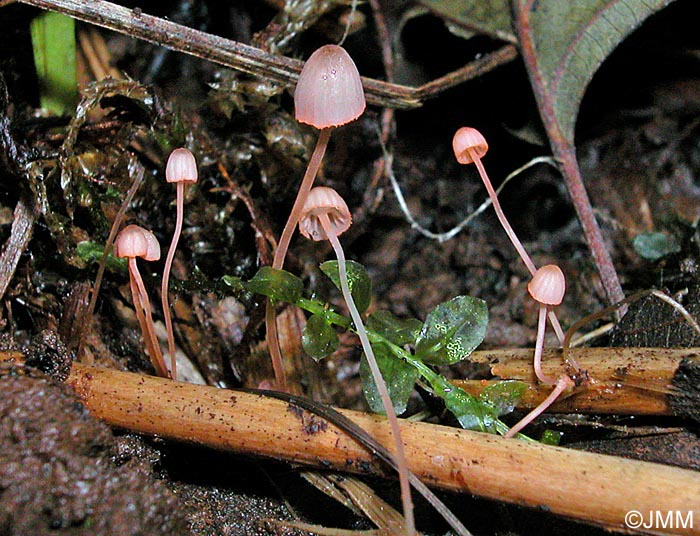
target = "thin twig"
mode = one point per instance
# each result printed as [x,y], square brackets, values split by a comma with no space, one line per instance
[20,235]
[93,60]
[135,23]
[348,23]
[443,237]
[374,193]
[137,172]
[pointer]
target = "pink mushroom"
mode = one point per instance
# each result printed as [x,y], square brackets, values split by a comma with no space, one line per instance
[132,242]
[470,146]
[547,288]
[182,170]
[325,216]
[328,94]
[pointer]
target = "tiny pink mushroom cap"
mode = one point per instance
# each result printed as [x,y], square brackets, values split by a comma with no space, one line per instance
[324,200]
[548,285]
[135,241]
[181,166]
[468,138]
[329,91]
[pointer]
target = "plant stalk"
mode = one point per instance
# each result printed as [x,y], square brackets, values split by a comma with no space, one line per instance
[595,488]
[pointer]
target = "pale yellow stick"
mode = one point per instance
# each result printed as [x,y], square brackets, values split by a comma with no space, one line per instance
[591,487]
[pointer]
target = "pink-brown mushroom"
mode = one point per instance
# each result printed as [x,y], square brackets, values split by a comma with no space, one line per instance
[181,169]
[547,287]
[132,242]
[328,94]
[469,147]
[325,216]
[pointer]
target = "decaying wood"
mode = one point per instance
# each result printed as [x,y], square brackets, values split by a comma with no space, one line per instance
[248,59]
[595,488]
[634,381]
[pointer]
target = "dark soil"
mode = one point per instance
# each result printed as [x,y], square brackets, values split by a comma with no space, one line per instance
[64,472]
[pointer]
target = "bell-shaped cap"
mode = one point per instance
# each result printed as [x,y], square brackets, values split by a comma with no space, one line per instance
[329,91]
[548,285]
[324,200]
[181,166]
[468,138]
[135,241]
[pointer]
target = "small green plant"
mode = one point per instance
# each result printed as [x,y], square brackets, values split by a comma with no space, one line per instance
[405,349]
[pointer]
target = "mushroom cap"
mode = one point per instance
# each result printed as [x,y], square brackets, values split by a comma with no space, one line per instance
[468,138]
[324,200]
[548,285]
[181,166]
[135,241]
[329,91]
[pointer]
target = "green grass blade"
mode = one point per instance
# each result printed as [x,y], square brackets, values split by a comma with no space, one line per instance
[53,41]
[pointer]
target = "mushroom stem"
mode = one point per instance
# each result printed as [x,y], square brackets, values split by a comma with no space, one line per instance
[142,306]
[180,191]
[499,212]
[281,252]
[539,344]
[306,184]
[402,465]
[511,234]
[563,383]
[554,321]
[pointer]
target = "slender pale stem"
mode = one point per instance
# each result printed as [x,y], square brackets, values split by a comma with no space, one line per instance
[517,244]
[562,384]
[501,215]
[554,321]
[539,344]
[142,306]
[281,252]
[138,179]
[402,465]
[180,189]
[273,345]
[304,188]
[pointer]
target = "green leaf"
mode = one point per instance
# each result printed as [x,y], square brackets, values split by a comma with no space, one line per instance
[471,413]
[491,17]
[234,282]
[399,376]
[319,338]
[358,281]
[396,330]
[551,437]
[654,246]
[569,41]
[452,331]
[91,252]
[53,43]
[279,285]
[503,396]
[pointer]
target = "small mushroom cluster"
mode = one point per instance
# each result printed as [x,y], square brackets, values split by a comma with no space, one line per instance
[328,94]
[547,286]
[134,241]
